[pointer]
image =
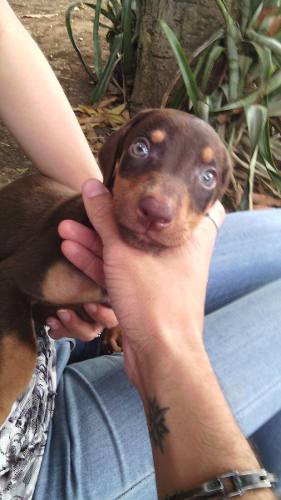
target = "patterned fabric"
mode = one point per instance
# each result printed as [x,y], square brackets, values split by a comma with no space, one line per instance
[24,433]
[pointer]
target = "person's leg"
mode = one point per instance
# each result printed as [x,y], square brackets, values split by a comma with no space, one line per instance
[244,344]
[98,445]
[267,442]
[247,256]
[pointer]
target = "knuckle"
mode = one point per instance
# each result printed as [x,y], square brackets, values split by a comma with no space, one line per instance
[102,206]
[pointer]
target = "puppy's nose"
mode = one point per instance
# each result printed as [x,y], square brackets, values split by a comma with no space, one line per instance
[155,212]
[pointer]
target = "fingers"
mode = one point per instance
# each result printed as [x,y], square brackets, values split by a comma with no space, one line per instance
[85,260]
[68,324]
[101,314]
[99,207]
[74,231]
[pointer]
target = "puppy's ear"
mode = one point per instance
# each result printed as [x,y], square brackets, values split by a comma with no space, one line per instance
[111,151]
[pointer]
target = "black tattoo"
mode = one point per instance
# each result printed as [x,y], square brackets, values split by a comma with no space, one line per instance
[156,423]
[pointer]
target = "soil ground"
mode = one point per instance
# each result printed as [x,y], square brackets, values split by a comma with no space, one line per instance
[45,20]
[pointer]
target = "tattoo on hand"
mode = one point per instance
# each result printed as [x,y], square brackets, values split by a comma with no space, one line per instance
[156,423]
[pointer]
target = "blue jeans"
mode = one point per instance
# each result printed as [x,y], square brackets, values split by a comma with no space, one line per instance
[98,445]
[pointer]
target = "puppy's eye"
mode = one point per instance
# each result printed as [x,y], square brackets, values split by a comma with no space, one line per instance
[208,177]
[139,149]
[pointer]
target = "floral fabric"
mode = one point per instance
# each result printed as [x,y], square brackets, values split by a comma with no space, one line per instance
[23,435]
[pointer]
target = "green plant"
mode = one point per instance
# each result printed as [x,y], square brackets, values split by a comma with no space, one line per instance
[234,81]
[118,23]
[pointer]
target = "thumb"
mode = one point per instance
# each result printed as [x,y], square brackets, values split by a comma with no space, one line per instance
[99,207]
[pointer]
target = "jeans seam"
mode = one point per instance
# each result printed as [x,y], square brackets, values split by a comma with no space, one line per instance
[134,486]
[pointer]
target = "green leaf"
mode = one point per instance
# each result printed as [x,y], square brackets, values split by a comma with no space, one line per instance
[68,18]
[265,61]
[233,38]
[245,63]
[275,176]
[274,82]
[103,82]
[185,69]
[216,98]
[179,97]
[275,147]
[265,41]
[256,117]
[204,110]
[127,23]
[241,103]
[245,14]
[115,6]
[247,202]
[200,64]
[213,56]
[265,146]
[96,40]
[111,14]
[68,14]
[228,19]
[257,7]
[233,63]
[218,35]
[274,107]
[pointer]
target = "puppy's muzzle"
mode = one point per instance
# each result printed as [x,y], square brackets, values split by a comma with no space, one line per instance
[155,212]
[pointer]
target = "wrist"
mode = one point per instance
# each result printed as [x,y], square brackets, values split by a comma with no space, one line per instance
[165,353]
[193,433]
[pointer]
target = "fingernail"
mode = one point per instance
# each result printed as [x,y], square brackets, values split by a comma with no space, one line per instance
[92,188]
[52,323]
[64,315]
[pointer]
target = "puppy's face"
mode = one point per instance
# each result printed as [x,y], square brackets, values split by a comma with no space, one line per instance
[170,167]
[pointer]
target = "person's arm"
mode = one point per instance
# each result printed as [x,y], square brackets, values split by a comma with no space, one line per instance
[197,438]
[159,301]
[35,109]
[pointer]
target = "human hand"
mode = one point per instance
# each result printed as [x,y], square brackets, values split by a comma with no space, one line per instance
[67,323]
[156,297]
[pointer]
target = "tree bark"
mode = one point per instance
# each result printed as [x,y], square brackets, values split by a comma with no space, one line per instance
[192,20]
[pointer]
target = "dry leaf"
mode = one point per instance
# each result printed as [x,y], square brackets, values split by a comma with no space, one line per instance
[264,200]
[105,102]
[22,170]
[118,110]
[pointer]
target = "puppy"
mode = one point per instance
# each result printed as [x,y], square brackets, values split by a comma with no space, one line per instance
[165,169]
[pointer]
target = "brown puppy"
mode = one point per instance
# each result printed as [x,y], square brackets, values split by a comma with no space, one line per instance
[165,169]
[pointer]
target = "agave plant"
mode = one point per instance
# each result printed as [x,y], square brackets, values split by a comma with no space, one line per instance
[234,81]
[119,20]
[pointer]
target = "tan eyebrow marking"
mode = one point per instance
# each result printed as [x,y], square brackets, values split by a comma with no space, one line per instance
[158,136]
[207,154]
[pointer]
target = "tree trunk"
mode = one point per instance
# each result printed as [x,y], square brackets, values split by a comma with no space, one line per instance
[192,20]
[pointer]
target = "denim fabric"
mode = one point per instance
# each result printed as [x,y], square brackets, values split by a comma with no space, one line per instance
[98,445]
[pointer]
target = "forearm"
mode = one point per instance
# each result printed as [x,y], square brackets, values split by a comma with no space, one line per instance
[35,109]
[198,438]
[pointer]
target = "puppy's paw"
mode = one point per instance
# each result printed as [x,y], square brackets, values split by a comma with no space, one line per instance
[112,340]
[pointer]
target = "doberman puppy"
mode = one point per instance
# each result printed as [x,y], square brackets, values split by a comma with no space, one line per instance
[165,169]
